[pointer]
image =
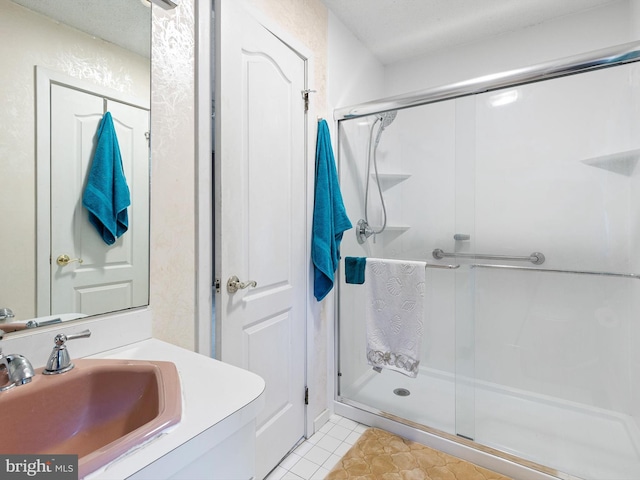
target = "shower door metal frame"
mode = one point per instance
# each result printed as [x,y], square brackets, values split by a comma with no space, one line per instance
[594,60]
[587,62]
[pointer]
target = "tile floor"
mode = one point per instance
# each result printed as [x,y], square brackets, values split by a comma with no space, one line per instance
[315,457]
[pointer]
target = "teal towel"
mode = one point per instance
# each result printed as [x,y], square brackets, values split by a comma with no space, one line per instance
[354,268]
[106,195]
[329,216]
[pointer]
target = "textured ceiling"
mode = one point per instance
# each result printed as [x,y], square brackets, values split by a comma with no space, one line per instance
[399,29]
[126,23]
[392,29]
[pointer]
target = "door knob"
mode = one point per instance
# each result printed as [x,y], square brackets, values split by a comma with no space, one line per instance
[64,260]
[234,284]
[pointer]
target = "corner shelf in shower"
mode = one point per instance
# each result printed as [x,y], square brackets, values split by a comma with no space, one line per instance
[388,180]
[391,232]
[622,163]
[397,228]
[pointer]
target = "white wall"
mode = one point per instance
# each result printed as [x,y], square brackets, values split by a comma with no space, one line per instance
[173,177]
[354,74]
[612,24]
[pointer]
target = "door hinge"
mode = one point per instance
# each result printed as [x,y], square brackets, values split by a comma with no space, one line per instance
[306,395]
[217,285]
[305,97]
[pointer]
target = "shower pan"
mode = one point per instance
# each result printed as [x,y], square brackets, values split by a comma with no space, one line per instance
[528,362]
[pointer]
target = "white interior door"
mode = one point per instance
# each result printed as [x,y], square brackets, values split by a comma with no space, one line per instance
[110,277]
[260,222]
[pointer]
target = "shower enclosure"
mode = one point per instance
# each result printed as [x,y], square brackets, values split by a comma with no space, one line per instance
[524,200]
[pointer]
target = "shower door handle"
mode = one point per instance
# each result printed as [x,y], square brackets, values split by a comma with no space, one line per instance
[234,284]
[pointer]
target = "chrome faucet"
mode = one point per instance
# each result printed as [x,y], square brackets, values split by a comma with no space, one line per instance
[59,360]
[18,369]
[6,314]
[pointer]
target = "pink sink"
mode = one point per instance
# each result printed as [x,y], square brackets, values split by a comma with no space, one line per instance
[98,411]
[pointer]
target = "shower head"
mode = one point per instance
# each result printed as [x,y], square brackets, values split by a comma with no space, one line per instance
[387,118]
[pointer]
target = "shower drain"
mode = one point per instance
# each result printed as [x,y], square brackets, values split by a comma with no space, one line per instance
[402,392]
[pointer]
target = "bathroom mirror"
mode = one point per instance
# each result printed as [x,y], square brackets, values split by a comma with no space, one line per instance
[67,63]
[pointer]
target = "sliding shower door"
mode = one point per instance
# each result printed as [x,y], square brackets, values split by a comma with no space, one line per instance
[525,205]
[416,164]
[555,364]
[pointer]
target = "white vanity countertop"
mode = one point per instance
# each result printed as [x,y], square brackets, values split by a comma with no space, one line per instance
[212,391]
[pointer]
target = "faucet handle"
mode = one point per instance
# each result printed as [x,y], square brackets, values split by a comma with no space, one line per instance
[6,313]
[59,360]
[61,338]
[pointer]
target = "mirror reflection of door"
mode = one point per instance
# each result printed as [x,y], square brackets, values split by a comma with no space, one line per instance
[108,277]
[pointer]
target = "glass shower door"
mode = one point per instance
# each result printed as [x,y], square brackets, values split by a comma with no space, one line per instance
[536,360]
[555,173]
[416,168]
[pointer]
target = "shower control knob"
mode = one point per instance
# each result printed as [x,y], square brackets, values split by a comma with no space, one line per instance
[234,284]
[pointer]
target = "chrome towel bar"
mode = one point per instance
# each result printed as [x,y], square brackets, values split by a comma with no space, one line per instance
[551,270]
[529,269]
[536,258]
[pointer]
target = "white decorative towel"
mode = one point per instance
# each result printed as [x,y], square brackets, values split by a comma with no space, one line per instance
[395,302]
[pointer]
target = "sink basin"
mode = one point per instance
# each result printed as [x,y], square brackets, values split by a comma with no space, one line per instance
[99,410]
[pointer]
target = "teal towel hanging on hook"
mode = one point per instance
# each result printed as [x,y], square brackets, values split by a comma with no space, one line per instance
[106,195]
[330,219]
